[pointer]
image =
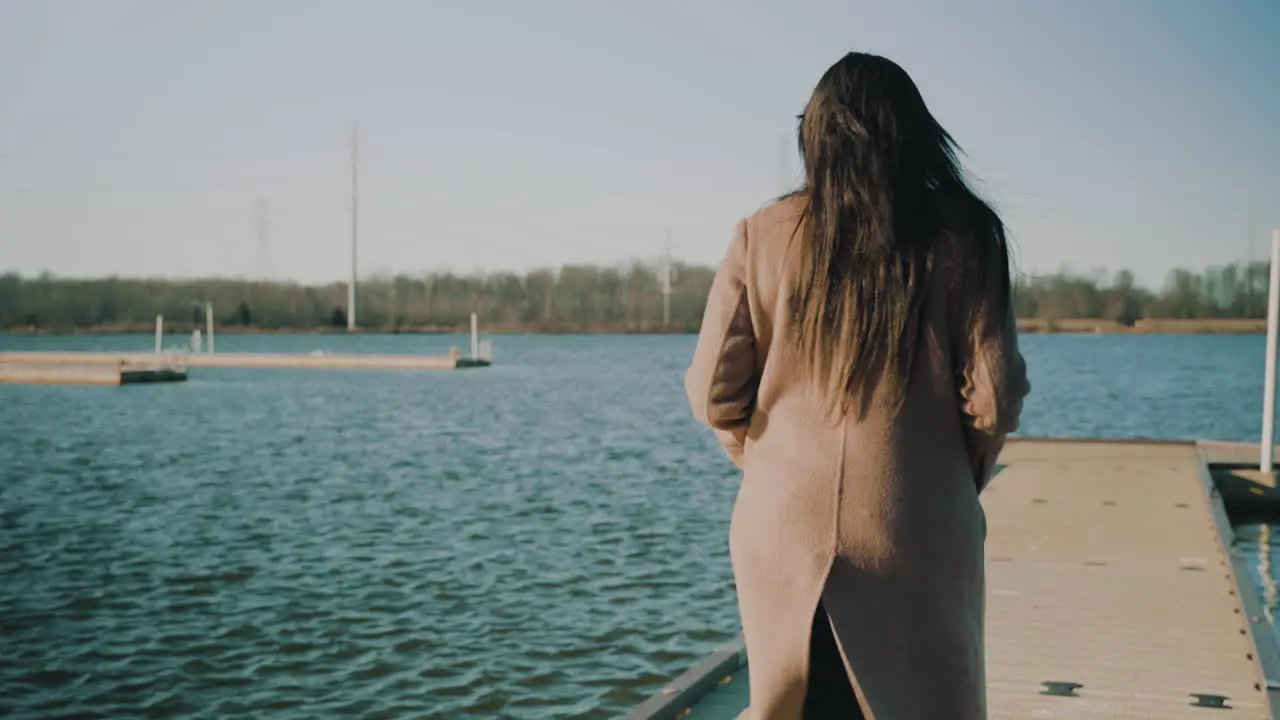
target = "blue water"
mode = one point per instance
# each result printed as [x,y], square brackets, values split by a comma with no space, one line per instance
[545,538]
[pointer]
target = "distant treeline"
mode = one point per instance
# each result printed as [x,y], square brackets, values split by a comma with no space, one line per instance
[1231,291]
[575,298]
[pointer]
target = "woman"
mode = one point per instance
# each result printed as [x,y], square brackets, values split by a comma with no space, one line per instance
[858,360]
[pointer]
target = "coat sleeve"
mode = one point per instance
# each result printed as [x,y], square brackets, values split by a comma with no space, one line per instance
[723,376]
[993,384]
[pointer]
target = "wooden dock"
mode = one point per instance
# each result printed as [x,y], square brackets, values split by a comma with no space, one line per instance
[90,374]
[1113,591]
[253,360]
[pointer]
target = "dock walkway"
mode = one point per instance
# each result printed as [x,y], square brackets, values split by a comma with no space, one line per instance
[91,373]
[1106,568]
[1112,592]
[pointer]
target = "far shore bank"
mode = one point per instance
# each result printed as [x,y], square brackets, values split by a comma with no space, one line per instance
[1033,326]
[1215,326]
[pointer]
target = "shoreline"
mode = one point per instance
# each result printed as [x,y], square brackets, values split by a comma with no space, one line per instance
[1146,326]
[1030,326]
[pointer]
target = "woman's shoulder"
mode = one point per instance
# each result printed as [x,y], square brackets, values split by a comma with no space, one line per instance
[788,207]
[777,221]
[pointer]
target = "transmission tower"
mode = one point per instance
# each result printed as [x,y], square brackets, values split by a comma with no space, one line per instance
[784,167]
[355,224]
[666,275]
[1248,266]
[264,239]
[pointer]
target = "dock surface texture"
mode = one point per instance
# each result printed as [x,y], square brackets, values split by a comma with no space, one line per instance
[1106,569]
[1113,591]
[252,360]
[89,373]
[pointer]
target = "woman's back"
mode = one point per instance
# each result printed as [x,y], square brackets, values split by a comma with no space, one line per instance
[858,360]
[966,374]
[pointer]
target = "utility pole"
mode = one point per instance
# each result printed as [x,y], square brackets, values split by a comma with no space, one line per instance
[666,275]
[264,240]
[355,224]
[477,283]
[784,167]
[1248,268]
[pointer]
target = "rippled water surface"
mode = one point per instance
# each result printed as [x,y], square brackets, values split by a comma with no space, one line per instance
[544,538]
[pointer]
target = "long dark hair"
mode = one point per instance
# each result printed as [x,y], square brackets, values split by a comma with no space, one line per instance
[886,205]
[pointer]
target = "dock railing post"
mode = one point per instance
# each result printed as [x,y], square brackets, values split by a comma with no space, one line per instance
[208,322]
[475,338]
[159,332]
[1269,387]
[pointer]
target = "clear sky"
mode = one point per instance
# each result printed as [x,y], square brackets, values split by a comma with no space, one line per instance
[138,136]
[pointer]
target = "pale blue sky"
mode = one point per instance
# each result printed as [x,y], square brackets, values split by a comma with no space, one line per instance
[136,136]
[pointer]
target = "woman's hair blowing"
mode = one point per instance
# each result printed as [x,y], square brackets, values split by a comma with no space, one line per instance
[886,203]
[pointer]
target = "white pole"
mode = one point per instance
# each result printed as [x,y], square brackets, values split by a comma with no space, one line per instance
[666,283]
[475,338]
[355,225]
[159,332]
[1269,391]
[208,323]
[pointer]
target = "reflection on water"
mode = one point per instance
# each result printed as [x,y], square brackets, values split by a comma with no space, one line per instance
[1266,579]
[546,538]
[1258,542]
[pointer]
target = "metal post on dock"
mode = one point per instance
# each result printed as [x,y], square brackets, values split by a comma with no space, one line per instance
[208,323]
[159,332]
[475,338]
[1269,388]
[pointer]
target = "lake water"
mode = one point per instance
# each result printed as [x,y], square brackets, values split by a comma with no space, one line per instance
[545,538]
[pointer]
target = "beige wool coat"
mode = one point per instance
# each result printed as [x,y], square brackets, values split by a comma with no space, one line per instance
[878,518]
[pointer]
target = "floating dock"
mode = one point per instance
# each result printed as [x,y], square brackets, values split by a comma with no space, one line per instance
[1114,589]
[252,360]
[89,374]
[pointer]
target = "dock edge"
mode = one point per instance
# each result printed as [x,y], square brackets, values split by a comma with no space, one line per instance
[1248,605]
[681,694]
